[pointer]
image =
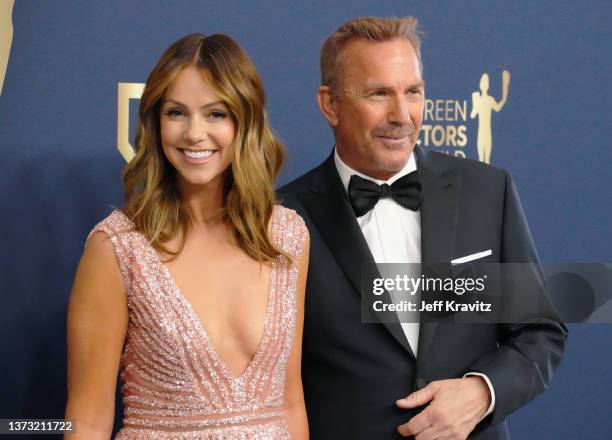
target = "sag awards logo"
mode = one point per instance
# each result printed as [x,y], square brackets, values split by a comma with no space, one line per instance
[126,92]
[6,36]
[444,126]
[445,121]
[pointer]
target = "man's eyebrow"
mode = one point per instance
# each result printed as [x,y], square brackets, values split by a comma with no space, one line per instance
[210,104]
[379,86]
[376,86]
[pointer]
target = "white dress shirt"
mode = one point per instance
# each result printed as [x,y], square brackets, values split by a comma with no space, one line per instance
[393,234]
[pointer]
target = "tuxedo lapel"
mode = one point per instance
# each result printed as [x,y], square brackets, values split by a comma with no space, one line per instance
[329,208]
[439,209]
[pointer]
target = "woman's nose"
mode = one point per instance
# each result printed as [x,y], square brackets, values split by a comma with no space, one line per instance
[195,131]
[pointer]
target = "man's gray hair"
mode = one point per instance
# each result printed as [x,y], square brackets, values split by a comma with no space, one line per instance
[374,29]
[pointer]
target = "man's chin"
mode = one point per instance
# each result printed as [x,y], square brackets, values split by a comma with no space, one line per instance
[385,169]
[393,160]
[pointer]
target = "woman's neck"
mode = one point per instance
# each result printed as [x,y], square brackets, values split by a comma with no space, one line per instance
[203,203]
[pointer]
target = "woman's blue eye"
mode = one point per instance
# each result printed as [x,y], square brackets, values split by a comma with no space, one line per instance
[173,112]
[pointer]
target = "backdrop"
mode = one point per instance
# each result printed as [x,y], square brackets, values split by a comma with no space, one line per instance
[70,77]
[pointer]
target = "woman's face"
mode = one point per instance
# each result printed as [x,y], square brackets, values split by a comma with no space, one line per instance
[196,130]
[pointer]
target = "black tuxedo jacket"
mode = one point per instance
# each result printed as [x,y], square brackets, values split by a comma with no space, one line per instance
[353,372]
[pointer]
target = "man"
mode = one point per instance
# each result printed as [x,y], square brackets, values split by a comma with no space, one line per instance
[392,380]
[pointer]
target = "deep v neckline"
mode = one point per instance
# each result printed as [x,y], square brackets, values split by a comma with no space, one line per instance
[212,350]
[202,329]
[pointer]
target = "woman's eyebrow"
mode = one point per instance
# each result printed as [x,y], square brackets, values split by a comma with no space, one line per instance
[210,104]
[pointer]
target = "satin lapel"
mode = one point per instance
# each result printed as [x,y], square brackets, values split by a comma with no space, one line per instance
[330,210]
[440,191]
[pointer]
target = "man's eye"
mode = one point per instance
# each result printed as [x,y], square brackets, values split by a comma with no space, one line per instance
[416,91]
[378,93]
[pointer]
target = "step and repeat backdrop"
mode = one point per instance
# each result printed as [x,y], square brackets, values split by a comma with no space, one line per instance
[522,85]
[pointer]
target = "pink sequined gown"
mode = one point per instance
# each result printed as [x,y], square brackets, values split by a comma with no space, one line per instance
[175,386]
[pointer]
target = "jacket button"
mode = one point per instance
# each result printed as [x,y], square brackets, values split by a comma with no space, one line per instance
[421,383]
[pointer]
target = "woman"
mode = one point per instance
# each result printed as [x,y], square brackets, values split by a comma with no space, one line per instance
[195,290]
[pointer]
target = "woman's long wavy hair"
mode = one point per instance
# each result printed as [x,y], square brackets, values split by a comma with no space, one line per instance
[151,195]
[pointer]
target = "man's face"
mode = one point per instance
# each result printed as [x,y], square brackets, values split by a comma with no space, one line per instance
[378,110]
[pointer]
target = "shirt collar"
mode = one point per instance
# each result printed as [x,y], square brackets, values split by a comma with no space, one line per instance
[346,172]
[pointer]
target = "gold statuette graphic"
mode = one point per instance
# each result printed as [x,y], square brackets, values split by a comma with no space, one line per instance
[125,92]
[482,106]
[6,36]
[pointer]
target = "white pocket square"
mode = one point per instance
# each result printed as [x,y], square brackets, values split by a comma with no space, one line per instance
[471,257]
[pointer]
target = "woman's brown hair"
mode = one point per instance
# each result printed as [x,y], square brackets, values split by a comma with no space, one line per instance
[152,199]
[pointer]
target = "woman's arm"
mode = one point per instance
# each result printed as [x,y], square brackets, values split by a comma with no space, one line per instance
[295,410]
[97,324]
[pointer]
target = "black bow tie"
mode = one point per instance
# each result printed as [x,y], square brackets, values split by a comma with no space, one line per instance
[364,194]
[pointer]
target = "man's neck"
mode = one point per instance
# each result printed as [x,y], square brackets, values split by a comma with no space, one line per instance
[345,171]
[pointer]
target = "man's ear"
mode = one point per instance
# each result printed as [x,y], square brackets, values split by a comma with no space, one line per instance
[327,104]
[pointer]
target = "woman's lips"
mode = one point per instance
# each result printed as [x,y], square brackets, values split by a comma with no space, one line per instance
[197,156]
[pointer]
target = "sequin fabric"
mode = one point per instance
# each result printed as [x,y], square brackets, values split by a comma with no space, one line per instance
[175,386]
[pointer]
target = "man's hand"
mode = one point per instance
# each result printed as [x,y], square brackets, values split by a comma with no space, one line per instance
[455,407]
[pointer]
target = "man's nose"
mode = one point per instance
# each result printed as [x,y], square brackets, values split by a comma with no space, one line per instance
[195,131]
[399,111]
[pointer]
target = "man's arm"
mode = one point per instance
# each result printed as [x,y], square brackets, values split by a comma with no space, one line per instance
[518,370]
[528,353]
